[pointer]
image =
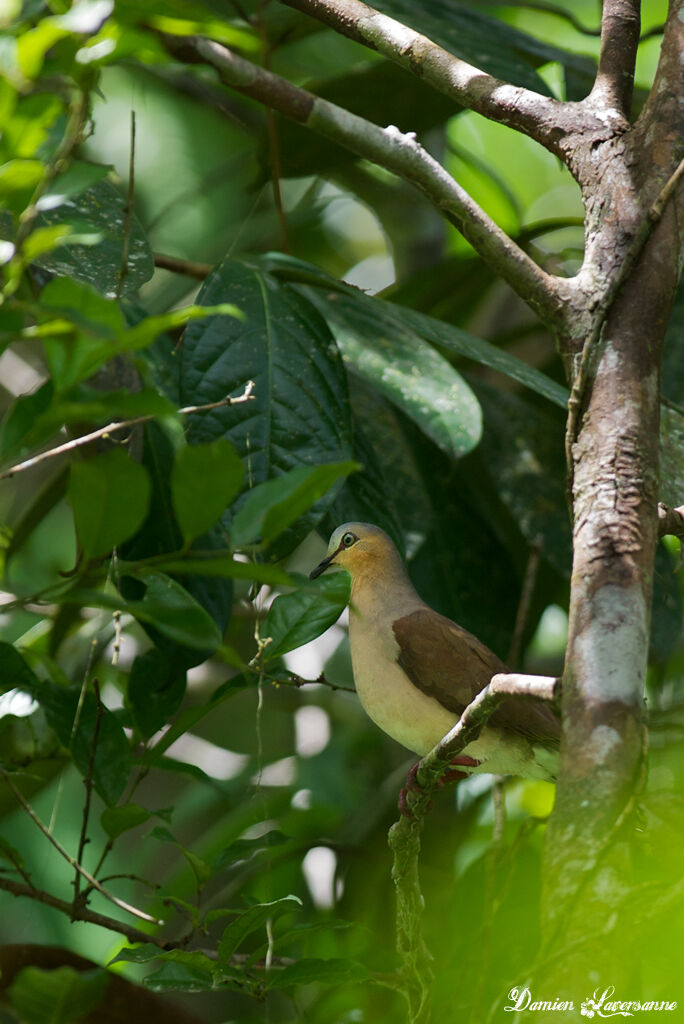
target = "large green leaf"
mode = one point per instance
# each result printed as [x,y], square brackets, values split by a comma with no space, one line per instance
[110,496]
[406,370]
[101,211]
[253,919]
[295,619]
[300,413]
[204,480]
[335,971]
[391,317]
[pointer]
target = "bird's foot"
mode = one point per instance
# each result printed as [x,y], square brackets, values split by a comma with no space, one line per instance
[455,775]
[413,786]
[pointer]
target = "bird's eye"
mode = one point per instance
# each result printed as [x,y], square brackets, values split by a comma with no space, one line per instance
[348,539]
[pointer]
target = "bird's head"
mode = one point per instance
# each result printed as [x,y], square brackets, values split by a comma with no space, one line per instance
[358,548]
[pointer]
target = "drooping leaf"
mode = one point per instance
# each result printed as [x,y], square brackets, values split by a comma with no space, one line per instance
[156,686]
[392,317]
[99,210]
[174,612]
[204,480]
[275,504]
[336,971]
[110,495]
[295,619]
[251,920]
[407,371]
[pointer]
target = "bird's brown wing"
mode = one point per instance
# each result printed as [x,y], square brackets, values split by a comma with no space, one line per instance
[448,663]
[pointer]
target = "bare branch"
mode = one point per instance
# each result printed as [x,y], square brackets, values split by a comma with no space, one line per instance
[670,521]
[527,111]
[614,84]
[88,782]
[398,152]
[116,425]
[72,861]
[180,266]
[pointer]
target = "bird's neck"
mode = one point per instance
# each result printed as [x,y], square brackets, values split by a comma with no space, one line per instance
[383,589]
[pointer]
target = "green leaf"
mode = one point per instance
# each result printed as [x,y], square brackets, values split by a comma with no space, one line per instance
[15,674]
[200,868]
[272,506]
[174,612]
[408,371]
[112,761]
[299,416]
[156,686]
[109,495]
[181,970]
[117,820]
[217,564]
[295,619]
[59,996]
[100,209]
[326,972]
[79,176]
[392,317]
[246,849]
[251,920]
[205,479]
[83,305]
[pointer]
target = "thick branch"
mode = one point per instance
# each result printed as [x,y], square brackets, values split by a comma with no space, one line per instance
[388,147]
[670,521]
[614,84]
[527,111]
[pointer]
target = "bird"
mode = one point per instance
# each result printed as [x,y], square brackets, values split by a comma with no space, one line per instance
[415,670]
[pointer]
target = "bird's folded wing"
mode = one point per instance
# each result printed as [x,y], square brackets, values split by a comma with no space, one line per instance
[448,663]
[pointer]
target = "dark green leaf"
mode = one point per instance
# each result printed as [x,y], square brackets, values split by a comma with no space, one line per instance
[295,619]
[59,996]
[274,505]
[174,612]
[326,972]
[156,687]
[392,317]
[109,495]
[300,414]
[99,210]
[112,761]
[205,479]
[246,849]
[200,868]
[192,976]
[408,371]
[251,920]
[14,672]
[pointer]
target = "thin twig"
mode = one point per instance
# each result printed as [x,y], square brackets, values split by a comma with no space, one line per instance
[591,345]
[88,783]
[128,211]
[74,863]
[526,592]
[180,266]
[117,425]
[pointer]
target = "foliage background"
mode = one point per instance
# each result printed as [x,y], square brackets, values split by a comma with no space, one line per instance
[451,398]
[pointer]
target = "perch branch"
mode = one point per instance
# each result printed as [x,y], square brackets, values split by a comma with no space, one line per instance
[404,835]
[398,152]
[523,109]
[180,266]
[116,425]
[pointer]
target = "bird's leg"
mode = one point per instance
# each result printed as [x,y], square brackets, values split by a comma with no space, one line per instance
[454,776]
[413,786]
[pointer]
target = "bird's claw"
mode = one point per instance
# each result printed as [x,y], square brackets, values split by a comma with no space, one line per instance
[413,786]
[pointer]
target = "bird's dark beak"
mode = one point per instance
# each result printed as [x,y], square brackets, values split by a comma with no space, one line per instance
[322,566]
